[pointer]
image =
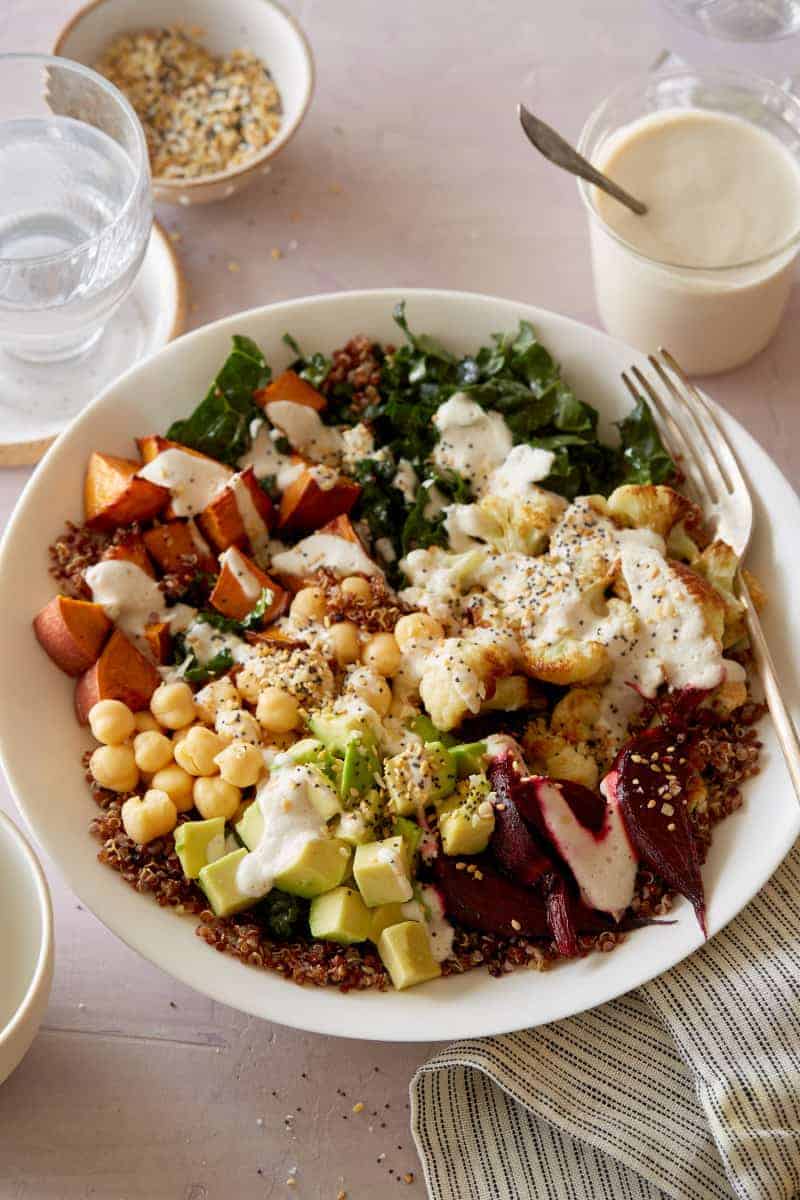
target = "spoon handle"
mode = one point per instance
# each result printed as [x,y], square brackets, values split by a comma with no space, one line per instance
[552,146]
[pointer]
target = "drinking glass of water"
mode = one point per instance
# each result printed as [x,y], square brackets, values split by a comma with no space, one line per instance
[740,20]
[75,205]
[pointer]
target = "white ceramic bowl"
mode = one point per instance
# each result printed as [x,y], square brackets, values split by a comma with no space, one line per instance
[26,946]
[258,25]
[747,848]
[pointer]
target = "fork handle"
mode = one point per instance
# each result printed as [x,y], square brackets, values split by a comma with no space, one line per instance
[784,725]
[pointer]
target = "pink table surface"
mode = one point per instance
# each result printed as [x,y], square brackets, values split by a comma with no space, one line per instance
[409,170]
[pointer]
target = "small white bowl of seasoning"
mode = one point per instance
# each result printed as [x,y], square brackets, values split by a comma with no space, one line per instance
[707,271]
[26,946]
[220,88]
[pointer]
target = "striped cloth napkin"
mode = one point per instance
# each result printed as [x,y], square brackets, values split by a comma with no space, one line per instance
[687,1088]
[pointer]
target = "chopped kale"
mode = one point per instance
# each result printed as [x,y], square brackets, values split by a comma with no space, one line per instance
[220,425]
[644,457]
[314,368]
[284,914]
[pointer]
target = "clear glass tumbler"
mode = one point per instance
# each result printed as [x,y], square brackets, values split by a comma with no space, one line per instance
[75,205]
[711,318]
[739,20]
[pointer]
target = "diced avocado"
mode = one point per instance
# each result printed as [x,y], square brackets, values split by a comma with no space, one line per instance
[250,826]
[321,864]
[466,820]
[324,796]
[305,751]
[337,730]
[197,843]
[419,775]
[406,954]
[424,727]
[355,828]
[360,767]
[469,758]
[411,833]
[218,881]
[381,871]
[383,916]
[340,916]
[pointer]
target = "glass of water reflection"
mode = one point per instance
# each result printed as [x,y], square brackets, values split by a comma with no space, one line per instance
[75,205]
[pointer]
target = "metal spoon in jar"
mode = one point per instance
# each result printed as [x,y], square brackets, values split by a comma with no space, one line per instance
[552,146]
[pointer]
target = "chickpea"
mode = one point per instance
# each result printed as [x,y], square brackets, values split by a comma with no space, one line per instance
[152,751]
[150,816]
[114,767]
[238,725]
[214,797]
[345,643]
[178,785]
[382,654]
[195,752]
[355,587]
[172,704]
[277,711]
[111,722]
[240,764]
[417,627]
[308,605]
[371,688]
[221,695]
[145,721]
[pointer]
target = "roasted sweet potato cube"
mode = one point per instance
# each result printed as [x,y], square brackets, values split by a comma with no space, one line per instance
[154,444]
[159,639]
[289,386]
[113,495]
[131,548]
[222,522]
[307,505]
[342,527]
[172,547]
[275,637]
[120,673]
[72,632]
[230,598]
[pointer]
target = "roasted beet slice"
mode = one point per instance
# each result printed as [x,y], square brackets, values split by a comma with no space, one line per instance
[649,781]
[600,856]
[477,896]
[560,917]
[514,846]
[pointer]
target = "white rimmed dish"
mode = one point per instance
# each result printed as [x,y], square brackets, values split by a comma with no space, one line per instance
[26,946]
[261,26]
[747,848]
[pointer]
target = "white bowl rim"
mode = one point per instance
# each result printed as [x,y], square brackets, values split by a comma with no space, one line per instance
[180,185]
[42,967]
[323,1024]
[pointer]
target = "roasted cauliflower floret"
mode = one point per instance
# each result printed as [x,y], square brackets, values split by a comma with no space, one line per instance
[729,696]
[757,593]
[649,506]
[681,545]
[304,673]
[575,715]
[510,693]
[461,674]
[718,564]
[522,525]
[550,754]
[565,661]
[221,695]
[584,542]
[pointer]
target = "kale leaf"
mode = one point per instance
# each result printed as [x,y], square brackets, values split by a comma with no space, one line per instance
[283,913]
[220,425]
[313,368]
[381,504]
[420,531]
[219,664]
[644,459]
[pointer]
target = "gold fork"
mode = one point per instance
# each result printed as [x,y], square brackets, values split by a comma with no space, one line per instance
[692,433]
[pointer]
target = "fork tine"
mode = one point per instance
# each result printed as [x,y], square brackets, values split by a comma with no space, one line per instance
[702,450]
[724,456]
[681,448]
